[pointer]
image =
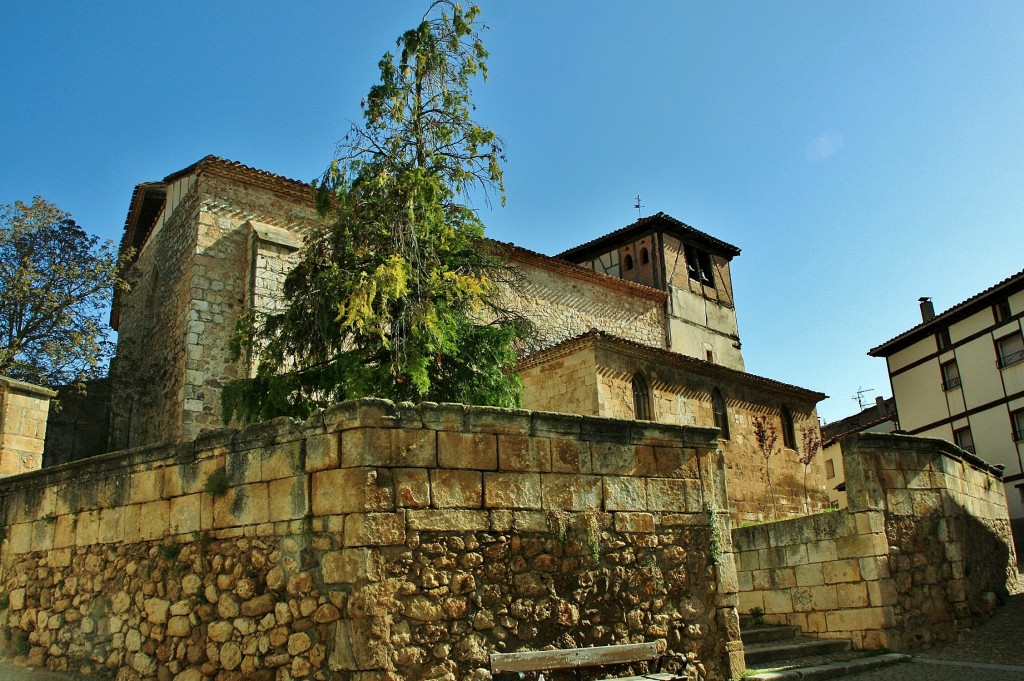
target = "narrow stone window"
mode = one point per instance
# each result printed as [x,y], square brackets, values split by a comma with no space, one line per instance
[721,414]
[629,262]
[645,257]
[788,431]
[641,399]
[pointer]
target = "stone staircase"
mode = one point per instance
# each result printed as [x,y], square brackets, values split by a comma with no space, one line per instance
[779,652]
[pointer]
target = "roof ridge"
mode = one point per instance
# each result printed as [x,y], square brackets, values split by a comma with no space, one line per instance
[1008,281]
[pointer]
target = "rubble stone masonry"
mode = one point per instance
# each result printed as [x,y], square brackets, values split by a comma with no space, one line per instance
[373,542]
[922,554]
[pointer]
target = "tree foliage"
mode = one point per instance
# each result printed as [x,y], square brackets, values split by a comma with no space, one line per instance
[397,294]
[55,282]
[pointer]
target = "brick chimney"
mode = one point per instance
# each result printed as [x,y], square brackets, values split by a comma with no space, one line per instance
[927,309]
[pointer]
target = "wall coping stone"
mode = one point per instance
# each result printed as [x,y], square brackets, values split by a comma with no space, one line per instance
[929,445]
[14,385]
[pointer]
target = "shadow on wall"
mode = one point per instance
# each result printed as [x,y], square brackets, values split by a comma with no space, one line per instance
[950,571]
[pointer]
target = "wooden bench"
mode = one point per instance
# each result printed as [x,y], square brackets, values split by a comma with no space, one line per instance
[519,664]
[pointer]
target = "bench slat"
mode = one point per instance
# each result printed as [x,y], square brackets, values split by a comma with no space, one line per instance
[570,658]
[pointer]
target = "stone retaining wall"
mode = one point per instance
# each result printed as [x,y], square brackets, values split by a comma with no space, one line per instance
[374,541]
[921,555]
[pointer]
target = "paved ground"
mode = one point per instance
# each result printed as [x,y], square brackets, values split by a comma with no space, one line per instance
[994,652]
[10,672]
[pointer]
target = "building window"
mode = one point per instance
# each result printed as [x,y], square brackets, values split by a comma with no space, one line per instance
[1010,349]
[645,257]
[942,339]
[1001,311]
[721,414]
[963,439]
[709,355]
[950,375]
[830,469]
[698,265]
[788,432]
[629,262]
[641,399]
[1017,419]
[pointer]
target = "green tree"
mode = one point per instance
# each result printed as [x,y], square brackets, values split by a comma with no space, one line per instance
[55,282]
[397,294]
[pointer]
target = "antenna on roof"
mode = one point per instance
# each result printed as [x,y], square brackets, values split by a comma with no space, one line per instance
[861,392]
[638,205]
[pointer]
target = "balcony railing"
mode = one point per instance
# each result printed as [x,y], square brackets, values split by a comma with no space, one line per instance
[1010,359]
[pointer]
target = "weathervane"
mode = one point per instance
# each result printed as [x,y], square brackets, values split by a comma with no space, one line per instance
[638,205]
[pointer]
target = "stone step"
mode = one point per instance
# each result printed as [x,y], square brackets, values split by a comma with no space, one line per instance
[757,654]
[768,632]
[836,668]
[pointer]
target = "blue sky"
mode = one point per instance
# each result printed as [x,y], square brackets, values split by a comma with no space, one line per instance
[862,154]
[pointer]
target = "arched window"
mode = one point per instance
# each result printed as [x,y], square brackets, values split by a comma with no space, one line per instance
[645,257]
[721,414]
[629,262]
[641,399]
[788,432]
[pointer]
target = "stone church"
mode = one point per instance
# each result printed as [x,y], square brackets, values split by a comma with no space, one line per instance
[637,324]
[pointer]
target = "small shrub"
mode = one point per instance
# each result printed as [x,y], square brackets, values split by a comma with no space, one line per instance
[757,616]
[20,643]
[217,482]
[170,552]
[5,600]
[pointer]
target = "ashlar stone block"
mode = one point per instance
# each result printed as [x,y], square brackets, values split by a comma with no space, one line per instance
[374,529]
[322,452]
[399,447]
[456,488]
[524,453]
[352,490]
[477,451]
[288,498]
[570,456]
[412,487]
[563,492]
[625,494]
[186,514]
[844,570]
[512,490]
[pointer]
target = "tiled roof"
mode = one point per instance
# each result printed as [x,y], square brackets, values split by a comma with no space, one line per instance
[651,223]
[667,357]
[966,308]
[211,162]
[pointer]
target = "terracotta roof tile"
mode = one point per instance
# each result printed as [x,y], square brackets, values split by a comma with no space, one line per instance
[651,223]
[668,357]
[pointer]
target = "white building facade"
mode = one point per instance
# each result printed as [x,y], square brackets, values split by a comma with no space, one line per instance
[959,376]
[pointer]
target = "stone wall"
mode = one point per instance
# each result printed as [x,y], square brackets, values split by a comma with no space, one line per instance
[79,426]
[221,248]
[23,412]
[372,542]
[594,374]
[566,300]
[921,554]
